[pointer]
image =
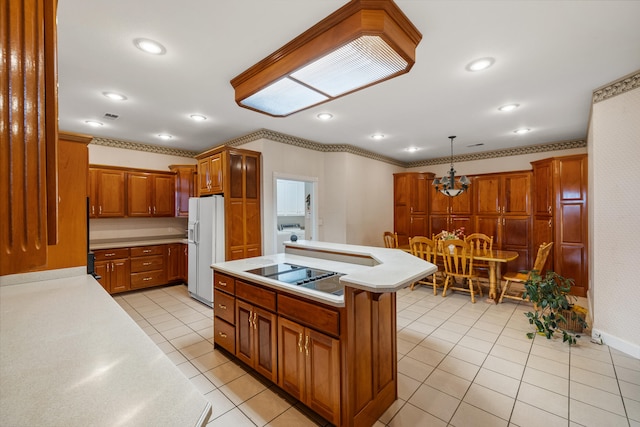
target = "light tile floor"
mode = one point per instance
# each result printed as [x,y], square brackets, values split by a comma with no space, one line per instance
[459,364]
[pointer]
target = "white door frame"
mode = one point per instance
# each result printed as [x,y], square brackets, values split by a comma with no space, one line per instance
[314,202]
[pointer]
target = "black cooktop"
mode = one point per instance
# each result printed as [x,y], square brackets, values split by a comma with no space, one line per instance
[311,278]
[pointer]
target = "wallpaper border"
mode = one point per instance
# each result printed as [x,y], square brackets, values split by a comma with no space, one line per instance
[620,86]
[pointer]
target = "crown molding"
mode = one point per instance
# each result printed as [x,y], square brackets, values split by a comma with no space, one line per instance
[620,86]
[518,151]
[142,147]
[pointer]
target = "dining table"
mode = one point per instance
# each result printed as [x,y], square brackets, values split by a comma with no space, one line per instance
[494,258]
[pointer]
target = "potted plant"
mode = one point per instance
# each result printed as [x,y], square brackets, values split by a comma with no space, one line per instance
[552,309]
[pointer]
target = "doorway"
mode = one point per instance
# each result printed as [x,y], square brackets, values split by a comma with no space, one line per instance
[296,208]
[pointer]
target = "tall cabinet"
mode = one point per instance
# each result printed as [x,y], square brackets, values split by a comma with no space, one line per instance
[411,204]
[503,210]
[560,215]
[450,213]
[239,182]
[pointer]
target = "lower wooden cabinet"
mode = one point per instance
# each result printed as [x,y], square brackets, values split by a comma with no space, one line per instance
[175,262]
[113,267]
[309,367]
[256,339]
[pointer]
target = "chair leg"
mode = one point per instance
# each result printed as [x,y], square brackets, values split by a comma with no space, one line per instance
[413,285]
[446,283]
[435,285]
[473,294]
[505,288]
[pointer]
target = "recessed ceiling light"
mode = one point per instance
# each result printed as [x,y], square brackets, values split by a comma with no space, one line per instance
[114,96]
[325,116]
[480,64]
[164,136]
[508,107]
[150,46]
[377,136]
[411,149]
[94,123]
[522,131]
[198,117]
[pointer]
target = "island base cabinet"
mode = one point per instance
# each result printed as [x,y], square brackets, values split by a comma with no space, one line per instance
[256,339]
[309,368]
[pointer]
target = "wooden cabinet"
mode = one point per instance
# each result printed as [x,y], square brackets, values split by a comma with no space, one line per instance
[148,266]
[175,262]
[256,339]
[28,180]
[290,198]
[224,312]
[185,187]
[560,215]
[238,174]
[449,213]
[503,210]
[113,266]
[411,204]
[150,194]
[210,175]
[309,368]
[107,193]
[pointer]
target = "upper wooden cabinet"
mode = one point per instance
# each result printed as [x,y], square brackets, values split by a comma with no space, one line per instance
[411,204]
[560,207]
[210,175]
[106,193]
[185,187]
[150,194]
[240,178]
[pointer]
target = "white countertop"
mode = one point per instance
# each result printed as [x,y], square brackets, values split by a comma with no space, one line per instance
[71,356]
[395,268]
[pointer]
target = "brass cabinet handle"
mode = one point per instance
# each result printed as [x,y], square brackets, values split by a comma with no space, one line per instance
[300,342]
[146,251]
[222,334]
[146,263]
[306,345]
[100,210]
[110,254]
[224,307]
[146,279]
[222,283]
[255,323]
[93,209]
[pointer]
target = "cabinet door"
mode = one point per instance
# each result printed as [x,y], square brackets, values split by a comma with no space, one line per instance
[461,205]
[439,223]
[543,191]
[111,200]
[322,375]
[265,339]
[516,236]
[185,262]
[139,194]
[516,194]
[163,201]
[216,177]
[491,226]
[185,188]
[419,194]
[244,332]
[101,268]
[291,358]
[174,262]
[120,275]
[93,193]
[204,177]
[439,202]
[488,191]
[542,233]
[419,226]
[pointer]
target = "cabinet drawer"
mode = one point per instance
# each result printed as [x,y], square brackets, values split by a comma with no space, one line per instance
[147,263]
[108,254]
[224,282]
[148,278]
[224,335]
[256,295]
[320,318]
[147,250]
[224,306]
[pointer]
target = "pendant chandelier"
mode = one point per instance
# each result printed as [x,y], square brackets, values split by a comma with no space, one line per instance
[447,185]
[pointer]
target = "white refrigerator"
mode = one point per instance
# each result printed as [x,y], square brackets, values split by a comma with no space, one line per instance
[206,244]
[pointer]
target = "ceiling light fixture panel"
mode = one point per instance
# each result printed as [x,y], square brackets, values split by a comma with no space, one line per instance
[361,44]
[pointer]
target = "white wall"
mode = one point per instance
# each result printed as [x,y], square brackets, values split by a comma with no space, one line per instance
[122,157]
[615,152]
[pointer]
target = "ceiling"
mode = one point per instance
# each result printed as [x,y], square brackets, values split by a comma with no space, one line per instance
[549,57]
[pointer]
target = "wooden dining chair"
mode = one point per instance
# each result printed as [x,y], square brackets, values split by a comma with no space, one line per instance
[520,277]
[426,249]
[482,245]
[390,239]
[458,264]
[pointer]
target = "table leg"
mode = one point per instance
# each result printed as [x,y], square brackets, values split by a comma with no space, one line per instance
[494,270]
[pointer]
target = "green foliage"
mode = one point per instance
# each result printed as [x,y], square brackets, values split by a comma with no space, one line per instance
[549,294]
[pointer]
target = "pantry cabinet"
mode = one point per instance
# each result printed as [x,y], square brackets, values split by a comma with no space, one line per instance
[560,215]
[450,213]
[411,204]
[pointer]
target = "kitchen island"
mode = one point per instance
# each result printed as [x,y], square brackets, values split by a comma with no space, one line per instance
[333,350]
[71,356]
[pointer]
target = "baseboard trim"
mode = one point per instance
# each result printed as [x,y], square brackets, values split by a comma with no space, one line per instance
[632,349]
